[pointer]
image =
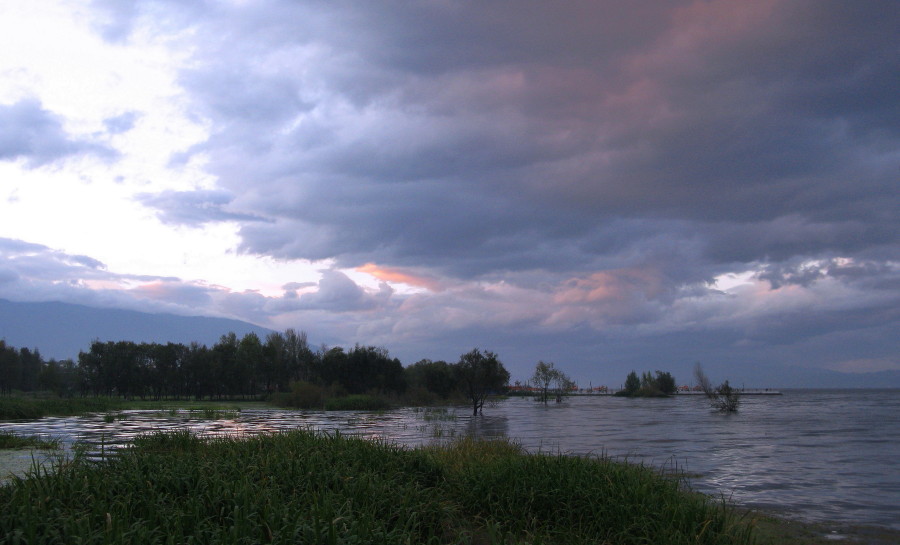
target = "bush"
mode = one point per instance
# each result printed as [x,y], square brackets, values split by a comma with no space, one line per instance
[419,396]
[303,395]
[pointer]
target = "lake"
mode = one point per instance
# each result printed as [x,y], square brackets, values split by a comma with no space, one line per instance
[812,455]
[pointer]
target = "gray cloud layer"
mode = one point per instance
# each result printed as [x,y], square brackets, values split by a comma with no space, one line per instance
[600,162]
[476,139]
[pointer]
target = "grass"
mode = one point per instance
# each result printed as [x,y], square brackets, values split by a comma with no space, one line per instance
[303,487]
[14,441]
[30,408]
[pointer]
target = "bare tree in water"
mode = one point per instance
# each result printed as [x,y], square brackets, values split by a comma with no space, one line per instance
[723,398]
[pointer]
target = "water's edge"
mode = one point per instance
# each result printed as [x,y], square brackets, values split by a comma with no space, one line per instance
[816,456]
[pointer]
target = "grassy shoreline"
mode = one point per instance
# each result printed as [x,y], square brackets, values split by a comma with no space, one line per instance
[486,492]
[306,487]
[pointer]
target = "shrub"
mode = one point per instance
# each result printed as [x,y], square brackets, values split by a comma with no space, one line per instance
[303,395]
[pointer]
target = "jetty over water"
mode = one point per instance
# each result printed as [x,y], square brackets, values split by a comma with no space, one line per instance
[738,391]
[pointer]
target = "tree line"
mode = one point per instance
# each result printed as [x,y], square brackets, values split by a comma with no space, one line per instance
[248,367]
[25,370]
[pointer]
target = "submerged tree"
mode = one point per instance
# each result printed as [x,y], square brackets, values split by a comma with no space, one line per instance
[545,375]
[480,374]
[722,398]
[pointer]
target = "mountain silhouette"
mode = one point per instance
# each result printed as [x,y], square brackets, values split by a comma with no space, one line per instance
[61,330]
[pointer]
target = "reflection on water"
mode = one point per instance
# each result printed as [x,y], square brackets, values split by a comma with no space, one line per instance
[815,455]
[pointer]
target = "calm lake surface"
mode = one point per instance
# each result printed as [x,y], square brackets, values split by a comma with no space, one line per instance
[814,455]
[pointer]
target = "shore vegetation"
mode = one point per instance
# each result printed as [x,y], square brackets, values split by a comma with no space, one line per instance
[282,369]
[9,440]
[304,487]
[722,398]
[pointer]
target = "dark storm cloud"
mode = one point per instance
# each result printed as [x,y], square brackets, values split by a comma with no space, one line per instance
[445,132]
[29,132]
[598,163]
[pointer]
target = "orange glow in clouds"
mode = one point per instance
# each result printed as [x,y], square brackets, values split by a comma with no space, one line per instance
[620,284]
[395,275]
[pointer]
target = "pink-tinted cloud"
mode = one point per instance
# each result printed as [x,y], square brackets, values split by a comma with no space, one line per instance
[389,274]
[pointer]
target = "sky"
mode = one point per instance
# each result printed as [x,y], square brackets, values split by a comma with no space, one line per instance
[606,185]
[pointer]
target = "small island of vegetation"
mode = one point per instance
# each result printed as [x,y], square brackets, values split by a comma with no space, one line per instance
[648,385]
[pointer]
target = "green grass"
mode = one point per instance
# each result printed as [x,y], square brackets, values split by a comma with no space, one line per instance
[13,441]
[30,408]
[302,487]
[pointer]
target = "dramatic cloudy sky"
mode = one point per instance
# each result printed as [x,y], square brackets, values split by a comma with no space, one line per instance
[607,185]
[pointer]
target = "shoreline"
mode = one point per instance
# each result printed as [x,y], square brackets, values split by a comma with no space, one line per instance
[774,526]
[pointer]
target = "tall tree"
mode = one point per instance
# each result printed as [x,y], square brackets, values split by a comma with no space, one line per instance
[9,362]
[665,382]
[249,363]
[545,373]
[480,374]
[275,374]
[433,376]
[632,383]
[224,365]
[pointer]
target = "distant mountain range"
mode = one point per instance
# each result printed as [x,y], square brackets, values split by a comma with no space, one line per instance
[61,330]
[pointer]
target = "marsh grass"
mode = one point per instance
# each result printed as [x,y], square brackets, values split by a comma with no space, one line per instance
[30,408]
[438,414]
[303,487]
[14,441]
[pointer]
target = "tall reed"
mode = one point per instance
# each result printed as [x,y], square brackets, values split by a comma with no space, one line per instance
[9,440]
